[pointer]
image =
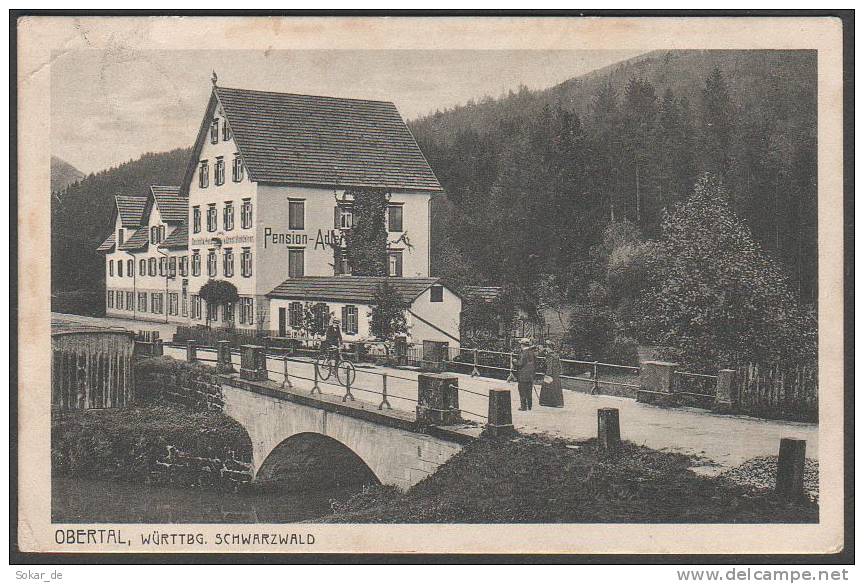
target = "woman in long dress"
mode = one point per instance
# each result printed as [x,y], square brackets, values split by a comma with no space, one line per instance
[551,394]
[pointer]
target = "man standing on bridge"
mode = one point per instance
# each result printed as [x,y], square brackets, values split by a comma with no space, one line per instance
[527,366]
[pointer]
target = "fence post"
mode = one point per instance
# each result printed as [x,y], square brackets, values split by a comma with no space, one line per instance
[499,421]
[191,353]
[475,372]
[253,363]
[656,383]
[438,399]
[594,381]
[384,400]
[724,398]
[223,357]
[608,430]
[285,380]
[790,468]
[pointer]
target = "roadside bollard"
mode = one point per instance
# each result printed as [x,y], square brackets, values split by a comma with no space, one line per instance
[790,468]
[499,421]
[608,430]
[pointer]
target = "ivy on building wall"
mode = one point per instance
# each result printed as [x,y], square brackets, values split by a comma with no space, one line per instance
[366,242]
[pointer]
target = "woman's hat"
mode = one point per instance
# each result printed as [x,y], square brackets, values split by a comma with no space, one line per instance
[525,341]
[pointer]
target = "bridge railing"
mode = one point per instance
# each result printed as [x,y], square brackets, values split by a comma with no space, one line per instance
[288,370]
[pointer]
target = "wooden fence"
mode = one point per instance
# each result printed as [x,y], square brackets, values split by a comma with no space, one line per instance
[774,392]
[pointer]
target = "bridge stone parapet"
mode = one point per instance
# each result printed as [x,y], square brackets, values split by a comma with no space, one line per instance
[288,428]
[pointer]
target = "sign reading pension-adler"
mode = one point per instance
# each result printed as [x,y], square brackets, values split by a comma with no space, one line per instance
[324,239]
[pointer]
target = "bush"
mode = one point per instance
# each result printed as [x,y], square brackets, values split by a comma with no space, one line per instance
[623,351]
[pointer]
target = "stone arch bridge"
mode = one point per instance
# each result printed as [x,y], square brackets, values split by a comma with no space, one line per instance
[325,440]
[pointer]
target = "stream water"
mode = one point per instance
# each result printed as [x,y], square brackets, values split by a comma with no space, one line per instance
[81,500]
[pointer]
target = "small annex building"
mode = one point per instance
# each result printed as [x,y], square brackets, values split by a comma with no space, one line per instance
[433,308]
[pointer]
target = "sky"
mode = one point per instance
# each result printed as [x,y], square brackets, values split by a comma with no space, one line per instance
[108,107]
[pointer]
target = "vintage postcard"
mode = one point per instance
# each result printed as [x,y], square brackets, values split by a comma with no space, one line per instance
[430,285]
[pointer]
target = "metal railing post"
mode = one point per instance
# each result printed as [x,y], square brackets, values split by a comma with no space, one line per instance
[510,376]
[475,372]
[595,384]
[315,387]
[348,395]
[384,400]
[285,380]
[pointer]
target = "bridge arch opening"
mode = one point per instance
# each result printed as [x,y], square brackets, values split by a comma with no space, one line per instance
[309,460]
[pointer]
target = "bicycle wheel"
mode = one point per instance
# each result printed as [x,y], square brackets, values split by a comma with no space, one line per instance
[345,373]
[324,366]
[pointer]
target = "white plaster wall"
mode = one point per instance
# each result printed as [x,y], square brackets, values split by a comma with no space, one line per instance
[444,315]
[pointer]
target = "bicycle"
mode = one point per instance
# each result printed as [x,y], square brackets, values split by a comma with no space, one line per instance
[330,361]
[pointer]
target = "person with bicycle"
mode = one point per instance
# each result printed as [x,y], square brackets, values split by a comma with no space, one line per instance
[332,342]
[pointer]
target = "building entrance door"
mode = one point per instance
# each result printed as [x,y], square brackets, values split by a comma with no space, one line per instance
[283,322]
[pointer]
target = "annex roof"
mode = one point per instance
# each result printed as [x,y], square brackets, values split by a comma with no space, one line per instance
[137,240]
[360,289]
[131,209]
[179,238]
[287,138]
[108,244]
[173,207]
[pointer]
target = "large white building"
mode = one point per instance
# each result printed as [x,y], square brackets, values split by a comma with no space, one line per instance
[269,193]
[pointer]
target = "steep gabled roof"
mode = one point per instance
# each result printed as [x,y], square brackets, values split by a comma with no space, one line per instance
[131,209]
[173,208]
[138,240]
[360,289]
[179,239]
[287,138]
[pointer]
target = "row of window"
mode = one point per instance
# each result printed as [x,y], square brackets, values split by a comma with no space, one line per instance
[164,266]
[227,262]
[227,216]
[219,171]
[154,301]
[171,266]
[293,317]
[214,131]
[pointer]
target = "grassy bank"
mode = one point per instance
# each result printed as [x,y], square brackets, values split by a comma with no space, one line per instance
[535,479]
[125,443]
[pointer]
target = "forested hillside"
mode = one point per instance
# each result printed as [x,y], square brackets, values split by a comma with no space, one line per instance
[533,178]
[81,217]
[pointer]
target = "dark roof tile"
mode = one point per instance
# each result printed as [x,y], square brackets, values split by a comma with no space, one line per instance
[173,208]
[138,240]
[359,289]
[305,139]
[178,239]
[131,209]
[108,244]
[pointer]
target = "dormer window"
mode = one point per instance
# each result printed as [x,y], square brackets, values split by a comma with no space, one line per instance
[214,131]
[204,175]
[119,237]
[220,171]
[226,131]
